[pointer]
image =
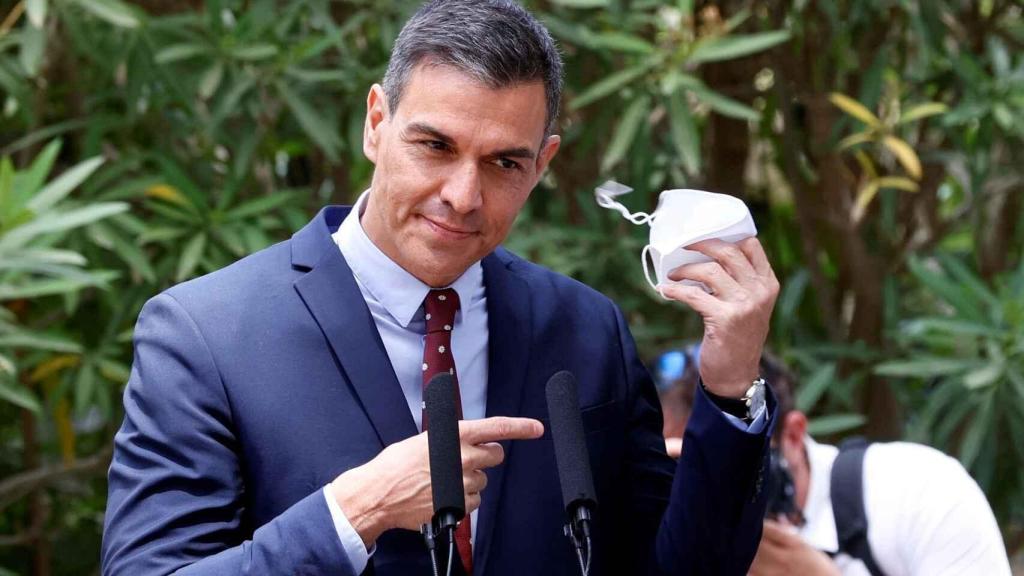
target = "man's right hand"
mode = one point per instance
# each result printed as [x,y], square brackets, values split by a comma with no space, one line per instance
[393,489]
[782,552]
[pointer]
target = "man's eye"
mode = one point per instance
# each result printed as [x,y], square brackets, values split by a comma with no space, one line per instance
[436,145]
[508,164]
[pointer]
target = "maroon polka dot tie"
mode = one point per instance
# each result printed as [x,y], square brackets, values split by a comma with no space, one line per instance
[440,306]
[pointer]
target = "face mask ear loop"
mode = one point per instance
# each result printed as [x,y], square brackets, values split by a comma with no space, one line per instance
[605,201]
[647,270]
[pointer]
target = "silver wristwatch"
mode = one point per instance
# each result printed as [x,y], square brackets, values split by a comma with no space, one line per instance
[754,398]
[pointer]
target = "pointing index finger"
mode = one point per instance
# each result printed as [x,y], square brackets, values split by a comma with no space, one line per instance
[499,428]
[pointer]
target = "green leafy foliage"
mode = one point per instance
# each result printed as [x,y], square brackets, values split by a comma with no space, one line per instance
[35,220]
[971,354]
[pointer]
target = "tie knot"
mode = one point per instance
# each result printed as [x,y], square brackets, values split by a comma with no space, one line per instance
[440,307]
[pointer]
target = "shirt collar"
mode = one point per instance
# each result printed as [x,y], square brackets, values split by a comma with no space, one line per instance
[820,528]
[398,291]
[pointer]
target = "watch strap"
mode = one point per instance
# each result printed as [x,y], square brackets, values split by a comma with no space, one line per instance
[746,408]
[733,406]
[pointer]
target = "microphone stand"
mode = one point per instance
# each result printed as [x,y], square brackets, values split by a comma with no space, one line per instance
[429,538]
[443,521]
[577,529]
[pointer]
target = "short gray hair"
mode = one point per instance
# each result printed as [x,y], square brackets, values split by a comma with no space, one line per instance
[496,42]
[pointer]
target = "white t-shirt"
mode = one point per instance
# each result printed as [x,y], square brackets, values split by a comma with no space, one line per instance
[926,515]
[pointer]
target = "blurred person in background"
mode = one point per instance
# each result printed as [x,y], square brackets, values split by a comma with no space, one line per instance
[857,509]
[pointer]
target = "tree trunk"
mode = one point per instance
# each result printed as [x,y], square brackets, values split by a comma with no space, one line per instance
[37,503]
[727,140]
[1000,213]
[862,270]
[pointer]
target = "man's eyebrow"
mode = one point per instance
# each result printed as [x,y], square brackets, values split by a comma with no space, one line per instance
[428,130]
[521,152]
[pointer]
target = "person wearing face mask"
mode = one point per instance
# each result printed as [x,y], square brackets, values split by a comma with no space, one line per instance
[857,509]
[274,417]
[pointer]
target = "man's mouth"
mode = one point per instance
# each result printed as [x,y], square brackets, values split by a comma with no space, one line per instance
[449,229]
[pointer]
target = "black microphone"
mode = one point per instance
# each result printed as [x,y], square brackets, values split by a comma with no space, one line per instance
[573,460]
[445,452]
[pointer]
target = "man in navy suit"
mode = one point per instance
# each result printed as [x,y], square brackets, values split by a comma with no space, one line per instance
[273,417]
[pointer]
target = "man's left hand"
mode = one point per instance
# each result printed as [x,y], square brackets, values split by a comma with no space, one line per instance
[783,553]
[736,313]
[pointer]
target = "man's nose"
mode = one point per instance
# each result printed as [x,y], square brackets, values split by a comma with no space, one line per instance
[462,190]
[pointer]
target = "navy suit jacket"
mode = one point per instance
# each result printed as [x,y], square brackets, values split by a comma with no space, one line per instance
[255,386]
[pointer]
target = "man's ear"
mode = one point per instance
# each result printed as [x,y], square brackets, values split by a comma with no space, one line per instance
[376,117]
[794,427]
[547,151]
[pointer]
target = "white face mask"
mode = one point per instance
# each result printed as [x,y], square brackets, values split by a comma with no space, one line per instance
[682,218]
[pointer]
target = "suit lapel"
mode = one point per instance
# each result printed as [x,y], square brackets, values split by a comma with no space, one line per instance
[333,298]
[509,337]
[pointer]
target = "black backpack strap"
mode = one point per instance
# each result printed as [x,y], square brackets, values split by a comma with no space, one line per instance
[848,503]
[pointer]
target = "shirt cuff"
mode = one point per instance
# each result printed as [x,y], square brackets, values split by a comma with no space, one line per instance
[730,408]
[756,425]
[353,545]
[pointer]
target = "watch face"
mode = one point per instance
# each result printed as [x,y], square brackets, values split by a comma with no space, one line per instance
[755,396]
[759,395]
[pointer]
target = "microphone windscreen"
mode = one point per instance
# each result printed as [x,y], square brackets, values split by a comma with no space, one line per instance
[570,443]
[444,447]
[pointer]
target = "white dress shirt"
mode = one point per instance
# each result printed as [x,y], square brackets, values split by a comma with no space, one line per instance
[926,515]
[395,300]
